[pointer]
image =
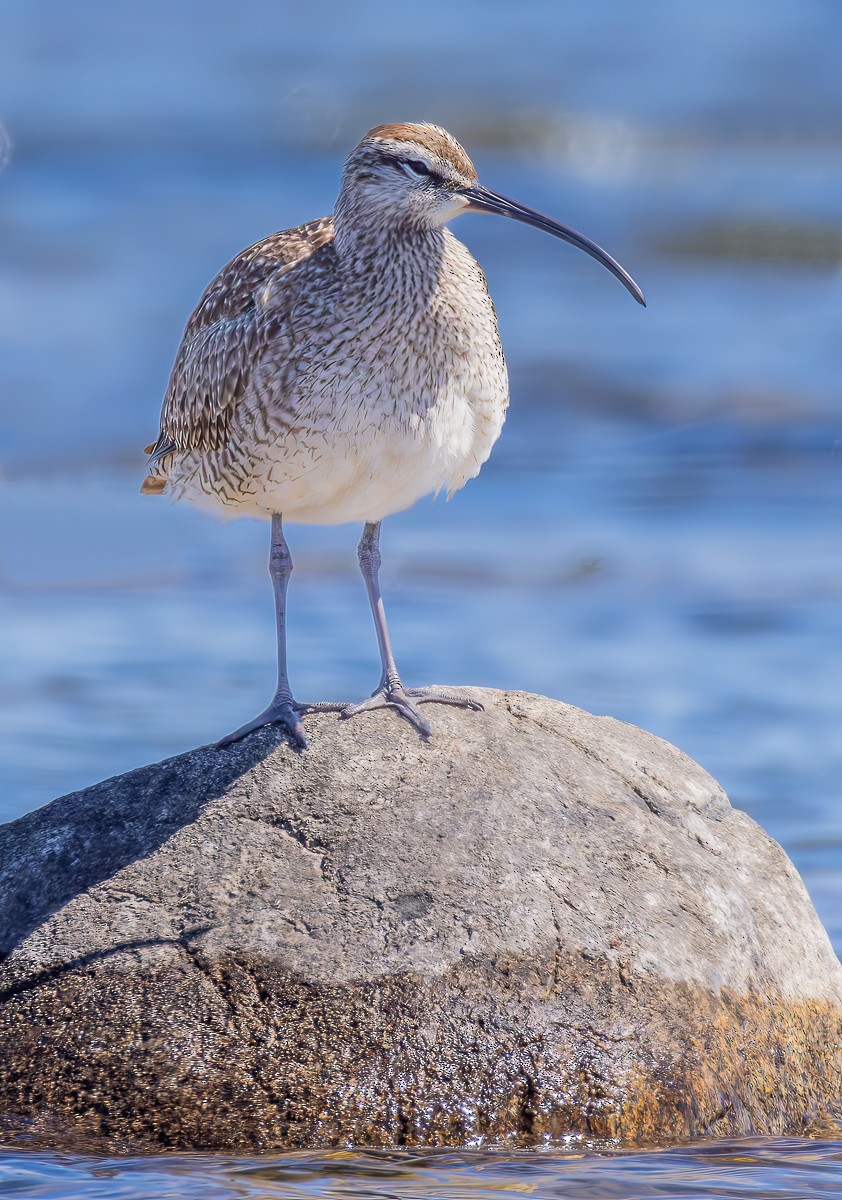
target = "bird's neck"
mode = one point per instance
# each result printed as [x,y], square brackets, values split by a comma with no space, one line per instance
[383,252]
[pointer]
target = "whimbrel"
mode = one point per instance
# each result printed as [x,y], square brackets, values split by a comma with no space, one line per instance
[342,370]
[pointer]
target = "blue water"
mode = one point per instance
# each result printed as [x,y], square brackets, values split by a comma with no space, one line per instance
[785,1168]
[656,535]
[780,1168]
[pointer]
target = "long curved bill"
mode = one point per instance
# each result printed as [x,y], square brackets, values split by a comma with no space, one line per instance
[482,199]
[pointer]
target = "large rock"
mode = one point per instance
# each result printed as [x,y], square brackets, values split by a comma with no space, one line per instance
[541,922]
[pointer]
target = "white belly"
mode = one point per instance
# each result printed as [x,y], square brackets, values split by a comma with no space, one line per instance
[352,470]
[357,420]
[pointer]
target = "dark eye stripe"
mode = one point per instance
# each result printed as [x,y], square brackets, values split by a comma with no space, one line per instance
[418,168]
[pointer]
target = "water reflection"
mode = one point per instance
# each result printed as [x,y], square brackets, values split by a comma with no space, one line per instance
[759,1167]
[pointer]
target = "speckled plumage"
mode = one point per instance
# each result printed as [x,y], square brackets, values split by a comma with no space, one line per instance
[342,370]
[338,371]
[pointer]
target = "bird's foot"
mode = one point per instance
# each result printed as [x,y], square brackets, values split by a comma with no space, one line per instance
[392,694]
[285,711]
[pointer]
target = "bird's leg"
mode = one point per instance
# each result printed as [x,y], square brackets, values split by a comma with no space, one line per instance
[390,692]
[282,708]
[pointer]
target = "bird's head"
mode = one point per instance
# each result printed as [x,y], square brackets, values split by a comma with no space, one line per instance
[411,175]
[418,177]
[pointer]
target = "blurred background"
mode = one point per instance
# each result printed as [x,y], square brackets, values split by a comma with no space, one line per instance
[657,533]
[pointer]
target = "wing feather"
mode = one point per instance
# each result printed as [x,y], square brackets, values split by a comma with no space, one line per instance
[223,340]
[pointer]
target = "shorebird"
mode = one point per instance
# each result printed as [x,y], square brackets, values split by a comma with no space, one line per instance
[342,370]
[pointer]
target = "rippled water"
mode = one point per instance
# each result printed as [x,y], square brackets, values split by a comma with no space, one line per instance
[783,1167]
[656,535]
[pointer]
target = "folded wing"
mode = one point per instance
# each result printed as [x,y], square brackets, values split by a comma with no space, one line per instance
[223,341]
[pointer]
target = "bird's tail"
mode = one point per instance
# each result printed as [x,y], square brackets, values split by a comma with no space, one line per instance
[153,485]
[156,481]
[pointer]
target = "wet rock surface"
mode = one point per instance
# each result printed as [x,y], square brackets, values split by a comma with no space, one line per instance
[538,923]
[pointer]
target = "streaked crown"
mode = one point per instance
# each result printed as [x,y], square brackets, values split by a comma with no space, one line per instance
[411,173]
[430,144]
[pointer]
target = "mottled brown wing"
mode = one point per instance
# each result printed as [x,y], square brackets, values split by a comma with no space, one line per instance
[223,340]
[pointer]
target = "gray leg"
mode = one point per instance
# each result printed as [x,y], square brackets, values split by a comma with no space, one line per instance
[390,692]
[368,553]
[282,709]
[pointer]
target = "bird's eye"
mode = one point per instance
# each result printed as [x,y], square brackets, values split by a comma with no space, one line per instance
[415,168]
